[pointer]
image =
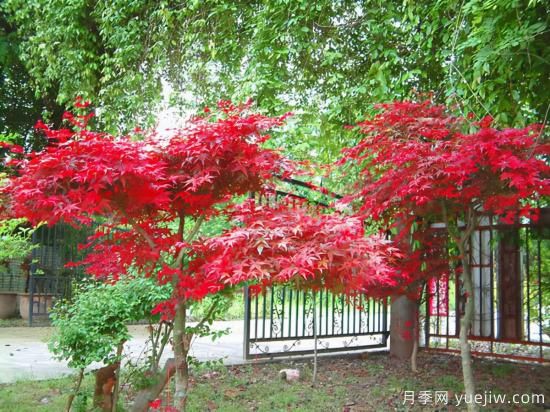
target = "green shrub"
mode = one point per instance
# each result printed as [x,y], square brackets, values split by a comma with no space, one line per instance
[90,328]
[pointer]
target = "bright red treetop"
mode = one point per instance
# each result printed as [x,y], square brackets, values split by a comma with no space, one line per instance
[146,183]
[85,173]
[415,158]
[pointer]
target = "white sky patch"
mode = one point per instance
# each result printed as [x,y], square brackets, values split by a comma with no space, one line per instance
[169,117]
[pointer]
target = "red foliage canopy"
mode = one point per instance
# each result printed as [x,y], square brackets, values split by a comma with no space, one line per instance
[143,183]
[283,244]
[415,157]
[418,165]
[83,173]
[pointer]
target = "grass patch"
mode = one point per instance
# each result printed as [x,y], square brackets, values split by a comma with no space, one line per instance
[502,370]
[344,384]
[44,396]
[451,383]
[13,322]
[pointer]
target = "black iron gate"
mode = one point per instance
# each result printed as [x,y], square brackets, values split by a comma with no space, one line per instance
[49,279]
[281,322]
[44,291]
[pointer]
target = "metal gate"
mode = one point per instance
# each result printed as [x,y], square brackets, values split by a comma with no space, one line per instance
[281,322]
[44,291]
[49,279]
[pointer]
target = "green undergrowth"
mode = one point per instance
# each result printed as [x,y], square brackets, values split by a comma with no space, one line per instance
[371,383]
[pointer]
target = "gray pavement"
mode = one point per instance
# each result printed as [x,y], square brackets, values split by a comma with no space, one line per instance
[24,351]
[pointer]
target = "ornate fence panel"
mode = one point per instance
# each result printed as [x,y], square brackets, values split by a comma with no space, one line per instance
[44,291]
[281,322]
[511,277]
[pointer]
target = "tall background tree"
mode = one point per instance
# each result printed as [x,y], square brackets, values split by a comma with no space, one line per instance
[20,106]
[327,60]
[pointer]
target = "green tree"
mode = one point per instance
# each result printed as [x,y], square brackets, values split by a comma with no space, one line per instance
[20,107]
[331,59]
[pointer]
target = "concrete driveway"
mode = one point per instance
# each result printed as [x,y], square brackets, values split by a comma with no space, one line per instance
[24,351]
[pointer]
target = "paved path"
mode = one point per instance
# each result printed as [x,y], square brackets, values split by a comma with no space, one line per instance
[24,351]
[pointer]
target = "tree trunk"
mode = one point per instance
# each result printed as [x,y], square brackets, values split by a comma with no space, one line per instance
[142,399]
[465,324]
[416,330]
[105,379]
[75,391]
[117,376]
[181,349]
[416,327]
[403,314]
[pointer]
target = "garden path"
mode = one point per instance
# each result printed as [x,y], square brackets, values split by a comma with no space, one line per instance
[24,351]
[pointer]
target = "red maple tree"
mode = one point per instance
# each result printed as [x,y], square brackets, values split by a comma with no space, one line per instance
[152,193]
[419,165]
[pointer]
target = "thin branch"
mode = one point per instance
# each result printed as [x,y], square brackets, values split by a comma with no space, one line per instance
[470,88]
[154,335]
[541,131]
[140,230]
[166,337]
[116,390]
[195,229]
[188,239]
[181,226]
[450,230]
[208,314]
[349,24]
[75,390]
[471,223]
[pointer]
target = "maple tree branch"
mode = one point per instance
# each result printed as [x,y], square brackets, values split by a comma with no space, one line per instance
[450,230]
[188,239]
[207,315]
[154,337]
[471,223]
[181,226]
[166,337]
[195,229]
[140,230]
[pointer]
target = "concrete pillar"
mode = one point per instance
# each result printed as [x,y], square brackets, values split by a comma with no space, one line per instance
[404,312]
[481,266]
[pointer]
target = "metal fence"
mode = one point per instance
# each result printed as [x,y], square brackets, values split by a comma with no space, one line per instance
[511,275]
[282,321]
[13,276]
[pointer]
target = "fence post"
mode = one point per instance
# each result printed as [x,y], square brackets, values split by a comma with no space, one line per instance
[31,298]
[511,318]
[246,334]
